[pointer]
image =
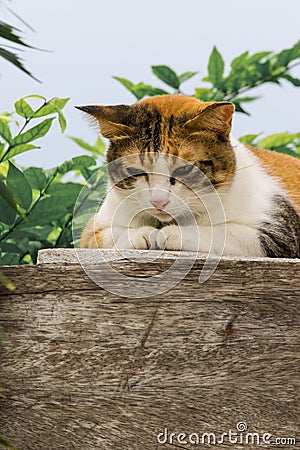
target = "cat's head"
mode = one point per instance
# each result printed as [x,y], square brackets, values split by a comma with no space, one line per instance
[166,148]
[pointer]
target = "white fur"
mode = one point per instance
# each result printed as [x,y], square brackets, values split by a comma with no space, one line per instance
[229,227]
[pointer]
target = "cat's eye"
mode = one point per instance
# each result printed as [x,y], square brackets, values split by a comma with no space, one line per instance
[182,171]
[134,172]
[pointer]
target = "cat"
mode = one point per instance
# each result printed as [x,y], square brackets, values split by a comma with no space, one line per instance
[179,181]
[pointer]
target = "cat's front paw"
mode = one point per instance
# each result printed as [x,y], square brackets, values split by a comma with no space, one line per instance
[173,237]
[169,238]
[143,238]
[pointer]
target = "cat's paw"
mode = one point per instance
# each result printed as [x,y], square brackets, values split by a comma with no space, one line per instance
[169,238]
[173,237]
[143,238]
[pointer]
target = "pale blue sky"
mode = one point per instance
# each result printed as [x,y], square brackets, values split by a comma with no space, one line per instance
[92,40]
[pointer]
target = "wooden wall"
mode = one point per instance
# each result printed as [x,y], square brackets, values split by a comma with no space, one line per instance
[85,369]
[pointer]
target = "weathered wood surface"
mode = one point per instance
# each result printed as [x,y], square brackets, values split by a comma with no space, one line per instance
[85,369]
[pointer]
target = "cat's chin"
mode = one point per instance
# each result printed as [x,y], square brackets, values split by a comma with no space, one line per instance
[162,216]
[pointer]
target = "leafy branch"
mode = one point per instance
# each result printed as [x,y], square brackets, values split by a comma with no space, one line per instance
[246,73]
[11,34]
[36,206]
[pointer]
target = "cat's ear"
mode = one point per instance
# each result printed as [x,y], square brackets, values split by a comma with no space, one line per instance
[215,116]
[111,119]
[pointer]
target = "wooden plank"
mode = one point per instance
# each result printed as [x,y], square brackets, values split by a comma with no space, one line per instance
[85,369]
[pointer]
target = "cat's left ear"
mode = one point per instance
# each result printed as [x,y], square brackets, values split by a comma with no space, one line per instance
[215,116]
[112,119]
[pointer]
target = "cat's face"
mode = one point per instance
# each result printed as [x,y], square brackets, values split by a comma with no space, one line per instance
[168,152]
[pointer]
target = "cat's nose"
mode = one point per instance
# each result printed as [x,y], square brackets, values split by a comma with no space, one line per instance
[159,204]
[159,198]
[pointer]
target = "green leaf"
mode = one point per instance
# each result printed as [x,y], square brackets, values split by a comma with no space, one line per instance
[48,209]
[44,110]
[18,149]
[8,247]
[215,68]
[28,231]
[10,259]
[87,173]
[8,196]
[239,61]
[2,147]
[283,58]
[9,285]
[288,55]
[186,76]
[33,248]
[278,140]
[126,83]
[83,144]
[294,81]
[238,108]
[287,151]
[249,139]
[76,163]
[36,177]
[244,99]
[19,186]
[97,149]
[142,90]
[99,146]
[83,161]
[10,33]
[167,75]
[61,201]
[203,94]
[15,60]
[40,97]
[7,213]
[55,105]
[257,57]
[33,133]
[59,102]
[5,442]
[51,173]
[62,121]
[5,130]
[8,205]
[65,167]
[66,192]
[296,51]
[23,108]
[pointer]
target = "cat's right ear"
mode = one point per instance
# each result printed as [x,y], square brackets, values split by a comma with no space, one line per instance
[111,119]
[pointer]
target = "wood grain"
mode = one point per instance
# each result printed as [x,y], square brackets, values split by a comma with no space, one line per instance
[85,369]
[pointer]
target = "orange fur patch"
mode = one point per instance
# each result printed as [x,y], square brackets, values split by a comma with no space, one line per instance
[285,168]
[176,104]
[91,238]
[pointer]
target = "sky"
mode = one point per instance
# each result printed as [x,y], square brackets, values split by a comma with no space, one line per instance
[90,41]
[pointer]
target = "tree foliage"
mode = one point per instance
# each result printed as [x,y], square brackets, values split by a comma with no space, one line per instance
[246,73]
[37,206]
[11,41]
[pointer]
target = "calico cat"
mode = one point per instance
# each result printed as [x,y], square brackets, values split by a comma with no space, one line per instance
[177,178]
